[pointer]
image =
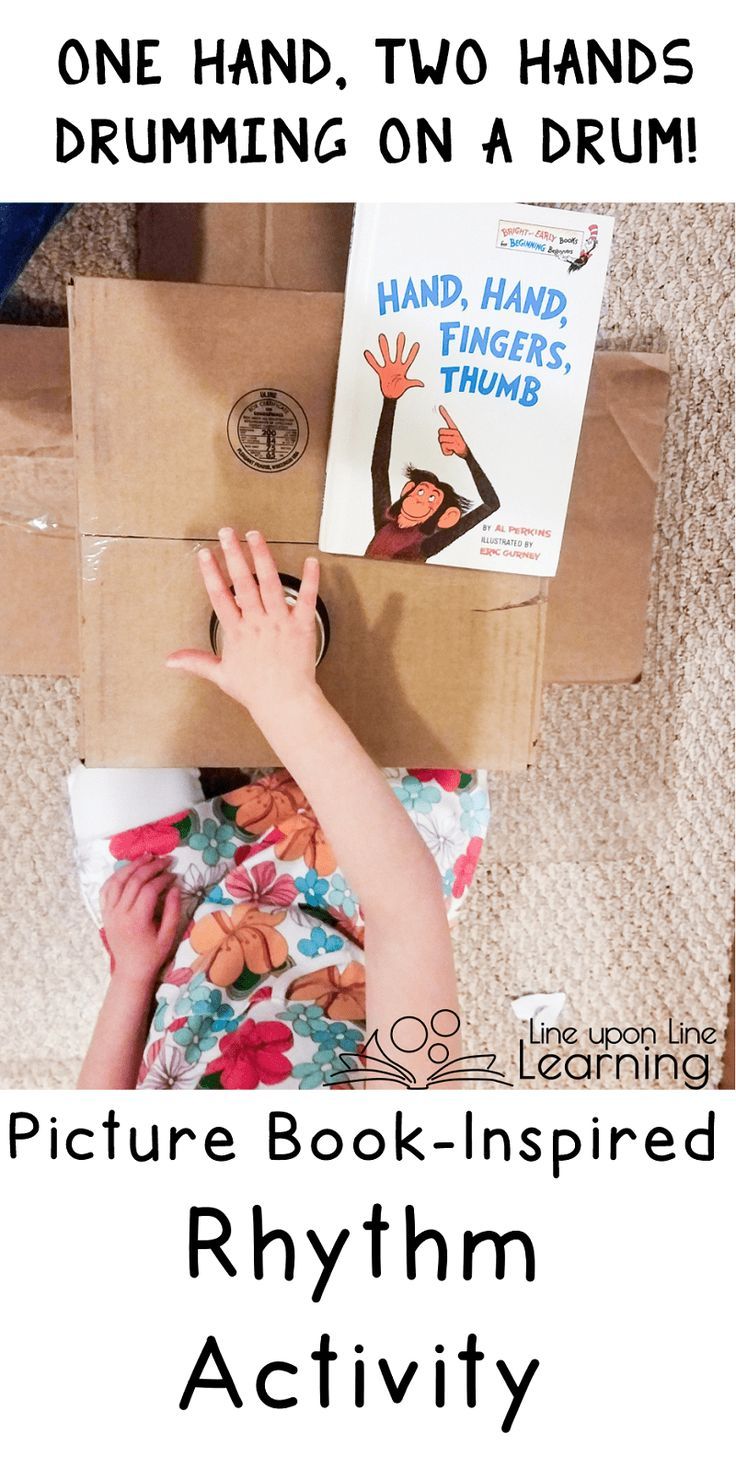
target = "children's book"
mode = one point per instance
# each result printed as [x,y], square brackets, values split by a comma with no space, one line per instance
[465,354]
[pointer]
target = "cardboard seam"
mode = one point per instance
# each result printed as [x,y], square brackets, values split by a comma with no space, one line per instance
[537,688]
[179,539]
[509,606]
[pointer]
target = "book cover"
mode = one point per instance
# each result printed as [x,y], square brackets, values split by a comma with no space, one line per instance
[465,353]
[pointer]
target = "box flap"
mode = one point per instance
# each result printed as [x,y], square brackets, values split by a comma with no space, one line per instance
[428,666]
[38,609]
[598,600]
[271,245]
[201,406]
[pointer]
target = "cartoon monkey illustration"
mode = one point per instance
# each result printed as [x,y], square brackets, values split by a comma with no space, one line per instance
[429,514]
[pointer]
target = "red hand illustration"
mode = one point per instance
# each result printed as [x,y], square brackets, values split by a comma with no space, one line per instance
[450,439]
[393,373]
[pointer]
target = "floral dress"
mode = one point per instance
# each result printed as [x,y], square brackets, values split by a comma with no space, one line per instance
[267,986]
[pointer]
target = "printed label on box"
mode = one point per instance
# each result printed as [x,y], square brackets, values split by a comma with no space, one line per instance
[268,430]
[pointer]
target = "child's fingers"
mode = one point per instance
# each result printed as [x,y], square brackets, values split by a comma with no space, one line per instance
[400,342]
[383,346]
[192,660]
[170,916]
[238,569]
[413,352]
[372,361]
[444,413]
[113,887]
[410,383]
[144,904]
[269,585]
[157,869]
[306,602]
[223,603]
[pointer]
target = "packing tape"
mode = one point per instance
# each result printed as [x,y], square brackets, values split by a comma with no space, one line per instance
[92,552]
[41,523]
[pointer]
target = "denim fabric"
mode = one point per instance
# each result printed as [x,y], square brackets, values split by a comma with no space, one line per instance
[22,229]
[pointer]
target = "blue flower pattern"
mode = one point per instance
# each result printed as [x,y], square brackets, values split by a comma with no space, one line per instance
[474,813]
[203,1000]
[313,888]
[340,1037]
[196,1037]
[342,897]
[334,1039]
[319,943]
[416,795]
[215,841]
[303,1018]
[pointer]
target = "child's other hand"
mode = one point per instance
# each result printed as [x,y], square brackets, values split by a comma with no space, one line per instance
[141,907]
[268,648]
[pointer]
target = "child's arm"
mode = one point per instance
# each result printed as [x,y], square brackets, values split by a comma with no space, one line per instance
[267,664]
[140,912]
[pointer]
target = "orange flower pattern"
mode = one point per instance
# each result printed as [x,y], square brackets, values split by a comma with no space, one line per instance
[245,938]
[266,803]
[340,994]
[303,838]
[276,801]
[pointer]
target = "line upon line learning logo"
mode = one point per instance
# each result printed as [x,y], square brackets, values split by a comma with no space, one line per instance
[428,1047]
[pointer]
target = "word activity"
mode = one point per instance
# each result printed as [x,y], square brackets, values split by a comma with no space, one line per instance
[343,1377]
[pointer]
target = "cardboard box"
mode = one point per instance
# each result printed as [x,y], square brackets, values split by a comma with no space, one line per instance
[295,245]
[597,603]
[38,516]
[598,599]
[198,407]
[173,439]
[416,666]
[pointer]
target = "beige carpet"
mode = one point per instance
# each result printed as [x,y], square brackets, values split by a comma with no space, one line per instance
[608,875]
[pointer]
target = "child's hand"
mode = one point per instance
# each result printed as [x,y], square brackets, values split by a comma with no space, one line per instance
[141,908]
[268,648]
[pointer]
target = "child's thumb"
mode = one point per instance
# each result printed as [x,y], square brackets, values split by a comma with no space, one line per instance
[202,665]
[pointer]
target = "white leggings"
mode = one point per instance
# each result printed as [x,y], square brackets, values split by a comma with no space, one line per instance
[105,801]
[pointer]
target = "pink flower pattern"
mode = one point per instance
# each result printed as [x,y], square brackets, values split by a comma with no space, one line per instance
[464,867]
[255,1054]
[262,886]
[158,838]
